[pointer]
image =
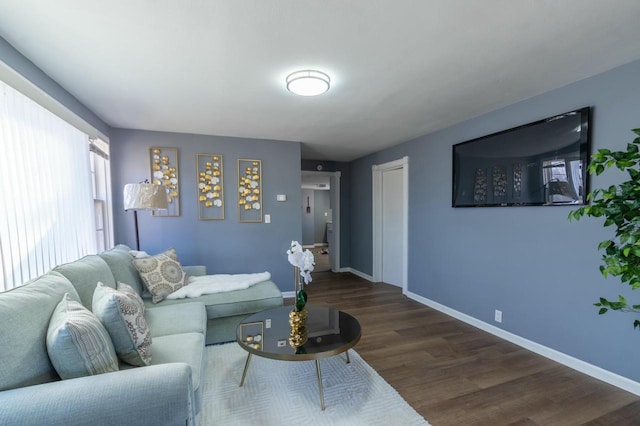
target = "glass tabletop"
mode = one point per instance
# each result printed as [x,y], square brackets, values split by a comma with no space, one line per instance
[329,331]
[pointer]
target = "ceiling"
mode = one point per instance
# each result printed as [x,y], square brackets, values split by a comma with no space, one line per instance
[399,69]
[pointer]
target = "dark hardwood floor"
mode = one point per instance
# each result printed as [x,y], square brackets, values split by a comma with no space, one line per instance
[455,374]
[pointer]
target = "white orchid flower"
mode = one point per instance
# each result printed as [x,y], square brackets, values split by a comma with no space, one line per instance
[304,260]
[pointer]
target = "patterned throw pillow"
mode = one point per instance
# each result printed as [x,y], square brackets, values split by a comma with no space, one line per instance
[162,275]
[126,288]
[77,343]
[122,314]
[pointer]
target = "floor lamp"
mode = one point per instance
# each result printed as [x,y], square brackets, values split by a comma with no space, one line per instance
[144,196]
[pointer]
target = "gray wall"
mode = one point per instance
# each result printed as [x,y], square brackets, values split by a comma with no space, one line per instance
[320,207]
[314,224]
[224,246]
[530,262]
[308,219]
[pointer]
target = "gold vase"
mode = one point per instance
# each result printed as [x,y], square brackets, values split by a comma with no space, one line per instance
[298,323]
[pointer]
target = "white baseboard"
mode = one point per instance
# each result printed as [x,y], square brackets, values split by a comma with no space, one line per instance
[575,363]
[358,273]
[292,294]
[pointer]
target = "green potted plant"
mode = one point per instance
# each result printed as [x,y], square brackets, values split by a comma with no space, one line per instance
[620,206]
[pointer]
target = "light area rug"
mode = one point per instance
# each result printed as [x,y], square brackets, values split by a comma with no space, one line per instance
[286,392]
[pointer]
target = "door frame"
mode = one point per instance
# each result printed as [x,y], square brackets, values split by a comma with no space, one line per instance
[335,212]
[377,170]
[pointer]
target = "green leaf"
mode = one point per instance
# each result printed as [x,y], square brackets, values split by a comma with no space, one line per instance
[602,311]
[604,244]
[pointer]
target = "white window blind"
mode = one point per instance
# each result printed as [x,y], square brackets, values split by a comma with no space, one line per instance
[46,197]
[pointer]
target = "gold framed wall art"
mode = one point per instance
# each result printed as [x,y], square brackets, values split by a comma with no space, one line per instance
[210,174]
[164,171]
[249,190]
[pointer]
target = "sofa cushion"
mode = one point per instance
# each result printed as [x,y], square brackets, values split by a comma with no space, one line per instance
[85,274]
[161,274]
[175,319]
[77,343]
[122,314]
[121,263]
[258,297]
[24,317]
[186,347]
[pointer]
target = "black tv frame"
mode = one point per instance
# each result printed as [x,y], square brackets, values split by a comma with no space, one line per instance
[500,181]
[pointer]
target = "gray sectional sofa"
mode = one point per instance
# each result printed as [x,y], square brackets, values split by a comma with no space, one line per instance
[169,391]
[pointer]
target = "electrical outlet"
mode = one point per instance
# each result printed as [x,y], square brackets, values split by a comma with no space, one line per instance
[498,316]
[267,218]
[267,323]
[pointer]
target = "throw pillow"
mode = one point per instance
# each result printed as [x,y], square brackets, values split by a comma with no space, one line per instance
[77,343]
[162,275]
[122,314]
[126,288]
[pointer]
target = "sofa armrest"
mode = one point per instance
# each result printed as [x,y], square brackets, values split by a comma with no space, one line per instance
[195,270]
[153,395]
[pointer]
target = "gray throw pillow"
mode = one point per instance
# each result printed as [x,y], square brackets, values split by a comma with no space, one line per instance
[121,312]
[77,342]
[161,274]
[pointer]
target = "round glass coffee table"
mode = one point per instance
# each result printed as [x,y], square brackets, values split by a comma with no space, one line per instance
[329,332]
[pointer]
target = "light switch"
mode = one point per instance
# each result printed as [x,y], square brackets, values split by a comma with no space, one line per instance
[281,197]
[267,218]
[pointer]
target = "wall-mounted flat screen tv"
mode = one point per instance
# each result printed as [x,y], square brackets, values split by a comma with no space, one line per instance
[538,164]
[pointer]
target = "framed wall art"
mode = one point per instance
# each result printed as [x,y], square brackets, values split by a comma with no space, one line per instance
[249,190]
[210,174]
[164,171]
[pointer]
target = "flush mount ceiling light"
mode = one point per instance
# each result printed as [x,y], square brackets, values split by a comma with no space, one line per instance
[308,83]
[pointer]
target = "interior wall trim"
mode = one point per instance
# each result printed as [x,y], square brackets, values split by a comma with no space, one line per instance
[376,209]
[564,359]
[358,273]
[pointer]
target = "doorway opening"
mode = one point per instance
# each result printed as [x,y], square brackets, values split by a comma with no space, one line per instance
[320,212]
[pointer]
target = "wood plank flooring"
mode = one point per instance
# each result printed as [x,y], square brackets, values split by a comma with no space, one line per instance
[455,374]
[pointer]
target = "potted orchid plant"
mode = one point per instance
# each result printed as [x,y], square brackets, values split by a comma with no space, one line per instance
[303,262]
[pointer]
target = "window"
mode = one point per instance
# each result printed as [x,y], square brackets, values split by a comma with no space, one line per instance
[101,180]
[47,206]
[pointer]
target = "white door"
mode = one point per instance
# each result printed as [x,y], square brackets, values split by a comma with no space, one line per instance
[392,226]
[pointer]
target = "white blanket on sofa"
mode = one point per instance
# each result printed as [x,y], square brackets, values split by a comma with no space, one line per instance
[220,283]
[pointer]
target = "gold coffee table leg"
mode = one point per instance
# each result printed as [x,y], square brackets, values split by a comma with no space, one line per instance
[348,360]
[246,367]
[320,384]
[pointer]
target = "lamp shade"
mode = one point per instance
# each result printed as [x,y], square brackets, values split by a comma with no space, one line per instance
[145,196]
